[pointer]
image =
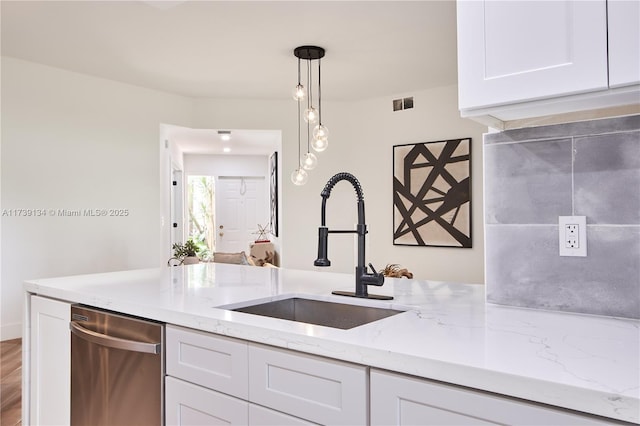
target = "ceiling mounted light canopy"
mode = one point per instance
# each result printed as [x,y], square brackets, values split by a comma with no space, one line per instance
[318,136]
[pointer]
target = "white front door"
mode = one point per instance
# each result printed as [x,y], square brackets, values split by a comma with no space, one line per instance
[240,207]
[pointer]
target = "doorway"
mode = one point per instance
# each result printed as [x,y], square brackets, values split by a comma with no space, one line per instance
[202,152]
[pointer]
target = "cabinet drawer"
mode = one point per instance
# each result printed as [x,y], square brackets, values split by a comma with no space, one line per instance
[189,404]
[261,416]
[314,388]
[216,362]
[404,400]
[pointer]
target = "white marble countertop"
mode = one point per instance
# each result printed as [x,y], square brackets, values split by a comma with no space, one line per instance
[581,362]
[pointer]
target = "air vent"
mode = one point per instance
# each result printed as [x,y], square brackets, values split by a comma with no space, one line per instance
[404,103]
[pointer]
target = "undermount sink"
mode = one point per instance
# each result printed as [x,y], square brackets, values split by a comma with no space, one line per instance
[319,312]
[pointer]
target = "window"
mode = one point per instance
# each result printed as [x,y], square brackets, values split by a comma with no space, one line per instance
[201,206]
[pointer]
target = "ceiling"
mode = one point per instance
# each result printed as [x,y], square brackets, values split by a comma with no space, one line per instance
[208,141]
[240,49]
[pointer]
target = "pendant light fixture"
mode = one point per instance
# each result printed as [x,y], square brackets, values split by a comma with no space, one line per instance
[318,137]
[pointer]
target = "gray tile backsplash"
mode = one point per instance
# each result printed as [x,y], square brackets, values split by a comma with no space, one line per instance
[607,178]
[534,175]
[529,182]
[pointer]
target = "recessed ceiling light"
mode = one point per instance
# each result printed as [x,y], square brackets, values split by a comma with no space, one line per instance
[226,149]
[225,135]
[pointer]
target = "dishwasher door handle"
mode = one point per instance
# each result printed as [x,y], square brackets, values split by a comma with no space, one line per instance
[113,342]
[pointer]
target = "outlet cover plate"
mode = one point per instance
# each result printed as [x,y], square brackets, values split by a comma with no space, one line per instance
[572,235]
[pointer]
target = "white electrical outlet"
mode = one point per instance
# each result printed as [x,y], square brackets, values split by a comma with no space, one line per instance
[572,235]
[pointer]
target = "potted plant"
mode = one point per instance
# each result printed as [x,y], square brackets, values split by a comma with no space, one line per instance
[186,253]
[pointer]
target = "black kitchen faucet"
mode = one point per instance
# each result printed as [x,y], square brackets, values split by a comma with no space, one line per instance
[363,278]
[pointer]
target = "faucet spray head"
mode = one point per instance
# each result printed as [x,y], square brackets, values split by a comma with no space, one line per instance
[323,237]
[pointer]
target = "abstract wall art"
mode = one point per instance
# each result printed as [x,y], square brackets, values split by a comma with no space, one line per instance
[432,194]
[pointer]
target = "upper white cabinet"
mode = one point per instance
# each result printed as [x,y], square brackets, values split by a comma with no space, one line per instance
[520,50]
[518,59]
[624,42]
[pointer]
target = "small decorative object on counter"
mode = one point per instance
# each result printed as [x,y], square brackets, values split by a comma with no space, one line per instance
[184,254]
[393,270]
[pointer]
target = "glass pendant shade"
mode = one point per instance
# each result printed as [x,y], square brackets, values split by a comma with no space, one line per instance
[299,177]
[320,132]
[299,92]
[320,138]
[310,161]
[319,145]
[311,115]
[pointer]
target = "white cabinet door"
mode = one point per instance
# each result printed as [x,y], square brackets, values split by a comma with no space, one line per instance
[317,389]
[50,362]
[512,51]
[624,42]
[261,416]
[189,404]
[404,400]
[216,362]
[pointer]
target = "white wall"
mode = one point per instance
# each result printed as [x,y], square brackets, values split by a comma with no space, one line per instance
[227,165]
[362,136]
[373,128]
[71,141]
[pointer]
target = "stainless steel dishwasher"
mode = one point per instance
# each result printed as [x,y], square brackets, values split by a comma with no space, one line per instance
[117,369]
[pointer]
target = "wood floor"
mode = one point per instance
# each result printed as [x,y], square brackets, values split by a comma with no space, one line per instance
[10,382]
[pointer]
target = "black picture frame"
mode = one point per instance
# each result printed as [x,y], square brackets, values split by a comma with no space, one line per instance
[273,193]
[432,194]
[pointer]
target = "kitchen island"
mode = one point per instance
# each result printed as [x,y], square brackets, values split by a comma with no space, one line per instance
[448,334]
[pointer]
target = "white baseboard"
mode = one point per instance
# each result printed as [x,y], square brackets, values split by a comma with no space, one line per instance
[10,331]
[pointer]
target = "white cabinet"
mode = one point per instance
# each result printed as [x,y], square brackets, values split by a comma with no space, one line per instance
[404,400]
[515,51]
[215,362]
[49,369]
[261,416]
[291,388]
[189,404]
[624,42]
[318,389]
[520,59]
[213,379]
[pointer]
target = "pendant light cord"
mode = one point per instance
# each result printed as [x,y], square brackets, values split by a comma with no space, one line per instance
[308,138]
[299,154]
[310,100]
[308,125]
[319,95]
[309,104]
